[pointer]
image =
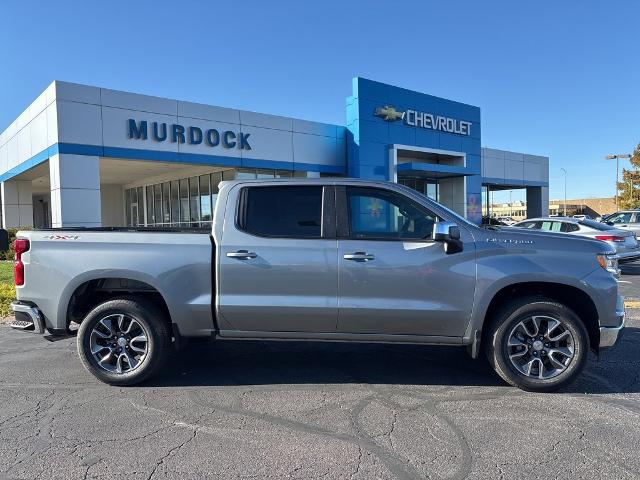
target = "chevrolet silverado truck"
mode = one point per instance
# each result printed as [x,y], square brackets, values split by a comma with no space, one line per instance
[324,259]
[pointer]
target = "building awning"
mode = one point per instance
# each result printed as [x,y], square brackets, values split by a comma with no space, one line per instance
[433,170]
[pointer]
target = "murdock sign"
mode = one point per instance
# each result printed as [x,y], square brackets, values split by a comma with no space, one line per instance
[176,133]
[415,118]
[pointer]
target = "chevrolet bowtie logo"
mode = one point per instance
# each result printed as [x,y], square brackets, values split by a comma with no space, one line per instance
[389,113]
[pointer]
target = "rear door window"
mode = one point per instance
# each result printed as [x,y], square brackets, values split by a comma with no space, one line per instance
[533,225]
[546,225]
[288,212]
[569,227]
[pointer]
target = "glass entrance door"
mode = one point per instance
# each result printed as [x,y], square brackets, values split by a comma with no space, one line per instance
[426,186]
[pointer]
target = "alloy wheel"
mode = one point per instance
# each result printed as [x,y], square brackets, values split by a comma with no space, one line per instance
[119,343]
[540,347]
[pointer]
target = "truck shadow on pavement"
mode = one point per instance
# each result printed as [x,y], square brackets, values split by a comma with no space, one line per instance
[242,363]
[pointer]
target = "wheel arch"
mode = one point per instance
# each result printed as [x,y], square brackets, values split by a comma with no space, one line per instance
[573,297]
[92,288]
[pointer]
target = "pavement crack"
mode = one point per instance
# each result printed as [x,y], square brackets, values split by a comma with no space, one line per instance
[171,452]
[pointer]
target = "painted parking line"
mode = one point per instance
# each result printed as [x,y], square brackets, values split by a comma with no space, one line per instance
[632,304]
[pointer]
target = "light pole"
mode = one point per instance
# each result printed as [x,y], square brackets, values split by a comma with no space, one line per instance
[617,158]
[565,191]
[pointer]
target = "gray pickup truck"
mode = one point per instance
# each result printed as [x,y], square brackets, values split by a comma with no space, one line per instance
[326,260]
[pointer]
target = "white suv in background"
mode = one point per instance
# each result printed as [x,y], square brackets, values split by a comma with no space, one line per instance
[624,219]
[506,220]
[624,241]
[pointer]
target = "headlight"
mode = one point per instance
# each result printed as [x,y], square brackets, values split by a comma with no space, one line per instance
[609,263]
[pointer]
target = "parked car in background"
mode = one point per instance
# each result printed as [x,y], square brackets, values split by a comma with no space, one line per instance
[623,241]
[506,220]
[492,221]
[582,217]
[624,219]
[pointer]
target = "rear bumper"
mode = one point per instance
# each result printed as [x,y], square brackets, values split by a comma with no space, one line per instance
[28,317]
[609,335]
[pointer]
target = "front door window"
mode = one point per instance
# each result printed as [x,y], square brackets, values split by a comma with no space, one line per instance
[381,214]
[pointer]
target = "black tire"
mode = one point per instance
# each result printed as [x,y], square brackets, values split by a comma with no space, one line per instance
[150,317]
[509,317]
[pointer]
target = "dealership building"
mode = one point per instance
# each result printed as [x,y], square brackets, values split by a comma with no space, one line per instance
[86,156]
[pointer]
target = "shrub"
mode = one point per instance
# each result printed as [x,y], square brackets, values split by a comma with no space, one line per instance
[7,295]
[9,254]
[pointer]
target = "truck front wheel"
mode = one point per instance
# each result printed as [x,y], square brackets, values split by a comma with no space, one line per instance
[537,344]
[123,341]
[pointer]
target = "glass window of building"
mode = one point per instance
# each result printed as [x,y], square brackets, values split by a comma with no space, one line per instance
[175,204]
[187,202]
[205,199]
[184,201]
[265,174]
[166,203]
[127,206]
[245,174]
[194,199]
[151,217]
[157,198]
[215,178]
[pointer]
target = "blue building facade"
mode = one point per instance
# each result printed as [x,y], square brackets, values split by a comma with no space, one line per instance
[400,135]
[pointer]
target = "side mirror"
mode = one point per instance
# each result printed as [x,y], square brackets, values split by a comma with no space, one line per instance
[4,240]
[609,223]
[445,231]
[449,234]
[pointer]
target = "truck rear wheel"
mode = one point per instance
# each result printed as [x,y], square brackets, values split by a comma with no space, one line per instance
[123,341]
[537,344]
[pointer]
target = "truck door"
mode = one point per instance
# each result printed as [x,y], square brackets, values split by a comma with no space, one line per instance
[392,278]
[278,261]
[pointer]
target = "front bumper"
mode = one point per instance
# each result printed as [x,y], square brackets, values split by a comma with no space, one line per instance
[609,335]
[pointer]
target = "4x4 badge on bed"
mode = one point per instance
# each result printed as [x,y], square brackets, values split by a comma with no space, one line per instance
[61,237]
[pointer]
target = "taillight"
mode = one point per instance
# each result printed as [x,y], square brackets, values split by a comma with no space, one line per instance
[610,238]
[20,246]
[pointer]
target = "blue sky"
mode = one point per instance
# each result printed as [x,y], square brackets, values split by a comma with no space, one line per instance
[556,78]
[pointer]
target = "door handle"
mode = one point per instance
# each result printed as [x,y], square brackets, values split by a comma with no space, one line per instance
[359,256]
[241,254]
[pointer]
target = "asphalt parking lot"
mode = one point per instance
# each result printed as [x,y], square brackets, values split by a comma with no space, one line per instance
[311,410]
[629,284]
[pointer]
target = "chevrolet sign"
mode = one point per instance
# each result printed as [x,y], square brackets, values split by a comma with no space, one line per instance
[415,118]
[388,113]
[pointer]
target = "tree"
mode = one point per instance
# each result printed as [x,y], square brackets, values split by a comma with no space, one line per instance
[635,157]
[629,187]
